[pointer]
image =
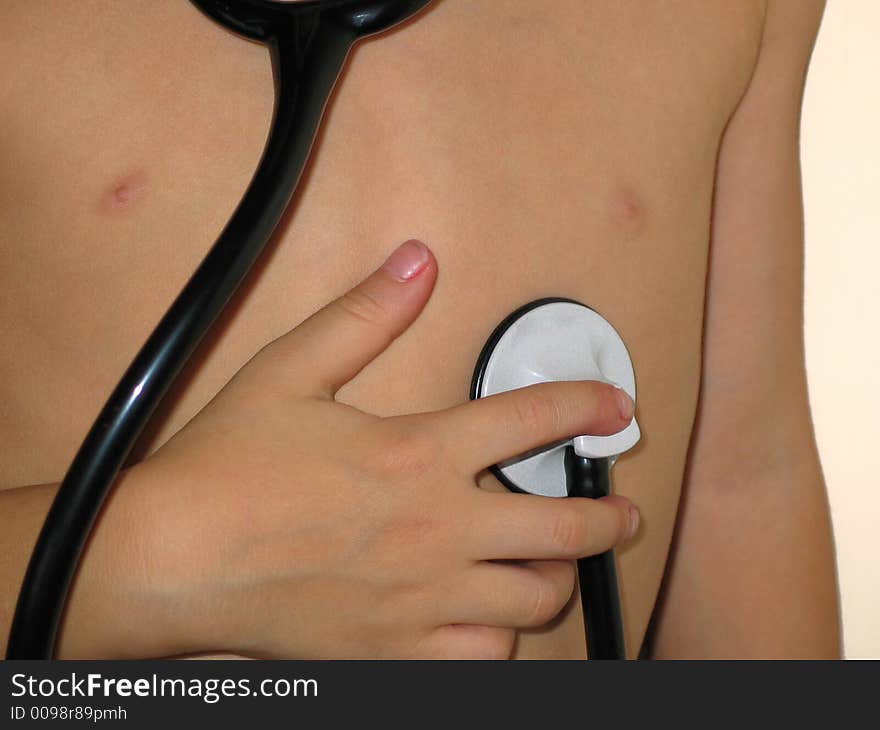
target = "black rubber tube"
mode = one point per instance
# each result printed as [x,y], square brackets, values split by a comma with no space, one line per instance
[597,574]
[309,43]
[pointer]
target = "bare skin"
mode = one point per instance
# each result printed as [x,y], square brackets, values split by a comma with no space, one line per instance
[639,157]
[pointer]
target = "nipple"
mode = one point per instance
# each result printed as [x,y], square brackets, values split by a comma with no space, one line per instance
[124,192]
[627,210]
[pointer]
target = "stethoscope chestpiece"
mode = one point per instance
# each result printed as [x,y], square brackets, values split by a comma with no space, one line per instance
[551,340]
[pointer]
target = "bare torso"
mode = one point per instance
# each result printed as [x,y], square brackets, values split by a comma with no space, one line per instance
[540,149]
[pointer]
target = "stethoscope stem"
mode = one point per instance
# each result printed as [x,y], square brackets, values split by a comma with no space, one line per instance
[597,574]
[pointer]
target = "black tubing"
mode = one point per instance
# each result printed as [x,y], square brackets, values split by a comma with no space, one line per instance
[597,574]
[309,43]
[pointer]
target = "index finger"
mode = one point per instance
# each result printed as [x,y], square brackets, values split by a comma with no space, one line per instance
[498,427]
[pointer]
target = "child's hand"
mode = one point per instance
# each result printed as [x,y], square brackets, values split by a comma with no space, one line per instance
[290,525]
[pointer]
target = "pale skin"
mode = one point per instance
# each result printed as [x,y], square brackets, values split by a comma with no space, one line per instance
[642,159]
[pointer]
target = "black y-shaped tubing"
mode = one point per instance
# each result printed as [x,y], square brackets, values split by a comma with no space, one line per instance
[308,42]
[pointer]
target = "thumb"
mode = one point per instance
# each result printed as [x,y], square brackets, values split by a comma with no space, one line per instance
[333,345]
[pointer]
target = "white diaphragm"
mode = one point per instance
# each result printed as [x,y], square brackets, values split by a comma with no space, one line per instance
[552,340]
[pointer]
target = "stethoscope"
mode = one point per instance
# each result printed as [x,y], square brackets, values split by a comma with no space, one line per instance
[561,339]
[309,42]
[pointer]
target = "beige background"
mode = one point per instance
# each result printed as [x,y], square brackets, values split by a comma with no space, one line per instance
[840,145]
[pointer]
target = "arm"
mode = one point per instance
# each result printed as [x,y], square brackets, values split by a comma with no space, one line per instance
[752,571]
[110,587]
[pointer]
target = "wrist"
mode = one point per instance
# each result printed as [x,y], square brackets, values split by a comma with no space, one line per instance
[124,602]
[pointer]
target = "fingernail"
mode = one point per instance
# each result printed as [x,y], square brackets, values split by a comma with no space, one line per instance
[633,522]
[408,261]
[625,403]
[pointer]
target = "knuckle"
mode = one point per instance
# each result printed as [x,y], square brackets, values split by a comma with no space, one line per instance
[612,524]
[407,452]
[363,306]
[544,604]
[567,534]
[536,410]
[412,530]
